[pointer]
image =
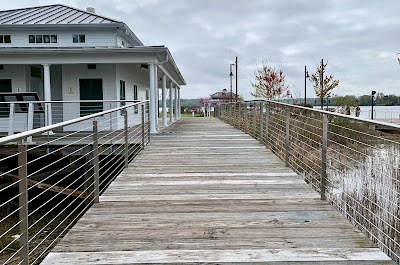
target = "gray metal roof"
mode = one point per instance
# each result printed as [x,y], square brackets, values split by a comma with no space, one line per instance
[51,14]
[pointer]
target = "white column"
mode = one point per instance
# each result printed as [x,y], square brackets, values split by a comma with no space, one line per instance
[153,113]
[156,95]
[176,103]
[11,119]
[47,94]
[179,104]
[171,104]
[164,101]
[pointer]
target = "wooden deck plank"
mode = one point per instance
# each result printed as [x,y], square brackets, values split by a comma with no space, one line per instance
[205,193]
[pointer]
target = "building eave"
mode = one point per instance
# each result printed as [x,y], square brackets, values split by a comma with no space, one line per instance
[113,55]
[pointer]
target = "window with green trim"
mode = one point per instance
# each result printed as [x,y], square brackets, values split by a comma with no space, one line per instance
[5,38]
[122,95]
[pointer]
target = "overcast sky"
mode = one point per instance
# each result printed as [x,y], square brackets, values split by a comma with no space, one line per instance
[358,38]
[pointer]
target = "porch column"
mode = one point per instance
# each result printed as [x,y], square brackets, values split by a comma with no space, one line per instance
[153,113]
[156,95]
[179,104]
[164,101]
[176,103]
[47,94]
[171,104]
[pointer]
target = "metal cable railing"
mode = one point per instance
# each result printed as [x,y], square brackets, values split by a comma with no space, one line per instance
[50,175]
[352,162]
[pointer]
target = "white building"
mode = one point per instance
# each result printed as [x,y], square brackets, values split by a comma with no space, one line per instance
[68,54]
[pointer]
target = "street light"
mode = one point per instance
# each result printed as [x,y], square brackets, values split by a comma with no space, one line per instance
[372,104]
[305,84]
[236,72]
[230,75]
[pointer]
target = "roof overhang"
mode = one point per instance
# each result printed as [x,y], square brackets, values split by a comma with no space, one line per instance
[139,55]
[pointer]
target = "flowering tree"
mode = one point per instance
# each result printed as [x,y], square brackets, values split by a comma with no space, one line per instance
[269,82]
[323,85]
[201,101]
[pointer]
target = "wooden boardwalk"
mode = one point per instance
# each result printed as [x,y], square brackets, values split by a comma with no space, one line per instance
[205,193]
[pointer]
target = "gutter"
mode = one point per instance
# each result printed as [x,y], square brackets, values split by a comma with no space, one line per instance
[165,61]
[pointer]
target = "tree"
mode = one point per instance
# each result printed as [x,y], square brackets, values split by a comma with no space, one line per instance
[345,103]
[201,101]
[365,100]
[269,83]
[323,85]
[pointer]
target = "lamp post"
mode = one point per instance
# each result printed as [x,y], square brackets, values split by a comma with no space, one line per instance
[230,75]
[305,84]
[372,104]
[236,71]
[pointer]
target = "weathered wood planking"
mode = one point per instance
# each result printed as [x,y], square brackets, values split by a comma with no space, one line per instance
[205,193]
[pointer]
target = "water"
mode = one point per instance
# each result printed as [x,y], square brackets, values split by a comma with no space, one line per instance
[383,113]
[387,113]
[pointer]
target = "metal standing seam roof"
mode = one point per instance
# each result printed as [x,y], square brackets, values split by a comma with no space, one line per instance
[51,15]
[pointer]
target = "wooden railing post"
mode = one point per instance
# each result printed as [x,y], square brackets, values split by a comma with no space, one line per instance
[266,123]
[234,115]
[261,122]
[126,144]
[239,121]
[23,203]
[255,120]
[96,161]
[143,131]
[287,138]
[245,117]
[323,159]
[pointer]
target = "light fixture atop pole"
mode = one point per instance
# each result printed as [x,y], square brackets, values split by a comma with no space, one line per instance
[305,84]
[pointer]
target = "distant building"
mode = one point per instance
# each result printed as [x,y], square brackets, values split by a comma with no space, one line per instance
[223,96]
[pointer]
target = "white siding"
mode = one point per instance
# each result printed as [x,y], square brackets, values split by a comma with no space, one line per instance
[98,38]
[71,75]
[132,74]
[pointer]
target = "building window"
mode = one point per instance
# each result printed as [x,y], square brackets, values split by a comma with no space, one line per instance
[42,38]
[81,38]
[122,94]
[5,38]
[135,97]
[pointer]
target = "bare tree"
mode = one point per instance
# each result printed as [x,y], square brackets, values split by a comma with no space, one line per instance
[269,83]
[323,85]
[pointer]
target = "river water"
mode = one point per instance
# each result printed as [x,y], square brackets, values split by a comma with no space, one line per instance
[381,112]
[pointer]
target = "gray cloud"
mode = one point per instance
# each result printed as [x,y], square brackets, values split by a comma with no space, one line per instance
[358,38]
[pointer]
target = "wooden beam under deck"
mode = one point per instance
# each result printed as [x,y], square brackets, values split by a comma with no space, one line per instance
[205,193]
